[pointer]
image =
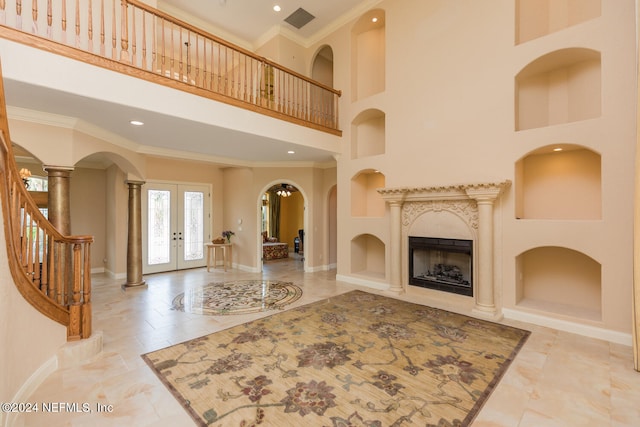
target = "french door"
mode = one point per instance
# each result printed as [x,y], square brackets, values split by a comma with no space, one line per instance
[175,221]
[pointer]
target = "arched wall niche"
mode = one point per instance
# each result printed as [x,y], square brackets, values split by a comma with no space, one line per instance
[563,86]
[368,256]
[537,18]
[559,280]
[365,200]
[322,66]
[559,182]
[368,55]
[368,134]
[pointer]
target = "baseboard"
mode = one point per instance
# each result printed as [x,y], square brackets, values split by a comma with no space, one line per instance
[30,386]
[97,270]
[566,326]
[363,282]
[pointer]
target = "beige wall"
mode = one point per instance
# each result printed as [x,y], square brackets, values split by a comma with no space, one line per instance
[450,118]
[291,218]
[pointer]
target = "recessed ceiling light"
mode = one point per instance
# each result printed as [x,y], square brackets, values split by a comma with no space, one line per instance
[291,152]
[374,20]
[277,8]
[136,122]
[557,149]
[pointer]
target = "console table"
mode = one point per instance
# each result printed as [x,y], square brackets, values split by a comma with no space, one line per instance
[212,249]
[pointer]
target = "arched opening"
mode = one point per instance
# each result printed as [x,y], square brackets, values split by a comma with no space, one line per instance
[282,218]
[561,281]
[560,182]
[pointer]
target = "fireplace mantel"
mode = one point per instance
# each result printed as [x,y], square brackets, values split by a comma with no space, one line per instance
[450,192]
[475,201]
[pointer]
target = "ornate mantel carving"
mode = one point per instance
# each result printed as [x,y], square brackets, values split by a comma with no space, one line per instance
[450,192]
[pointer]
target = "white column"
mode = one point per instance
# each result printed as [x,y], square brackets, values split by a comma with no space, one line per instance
[396,247]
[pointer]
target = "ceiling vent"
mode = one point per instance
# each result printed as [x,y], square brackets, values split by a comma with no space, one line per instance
[299,18]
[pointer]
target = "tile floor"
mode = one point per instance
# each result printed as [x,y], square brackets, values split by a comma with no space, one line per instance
[557,380]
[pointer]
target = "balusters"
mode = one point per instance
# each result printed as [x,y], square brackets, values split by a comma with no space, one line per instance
[203,61]
[102,35]
[77,32]
[113,30]
[64,21]
[124,36]
[19,14]
[3,12]
[133,36]
[49,19]
[34,16]
[90,27]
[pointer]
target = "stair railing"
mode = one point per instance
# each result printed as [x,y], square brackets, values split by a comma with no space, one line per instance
[51,271]
[160,47]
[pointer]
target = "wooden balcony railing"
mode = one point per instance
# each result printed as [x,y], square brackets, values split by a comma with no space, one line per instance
[51,271]
[156,45]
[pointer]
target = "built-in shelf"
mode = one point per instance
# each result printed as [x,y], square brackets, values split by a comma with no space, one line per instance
[563,86]
[537,18]
[368,135]
[560,182]
[368,55]
[365,199]
[561,281]
[368,256]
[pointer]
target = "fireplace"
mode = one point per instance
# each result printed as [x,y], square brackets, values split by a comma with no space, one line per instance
[441,264]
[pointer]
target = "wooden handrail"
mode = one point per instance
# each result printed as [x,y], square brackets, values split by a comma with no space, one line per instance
[51,271]
[152,41]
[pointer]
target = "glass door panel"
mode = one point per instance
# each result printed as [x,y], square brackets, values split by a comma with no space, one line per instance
[177,226]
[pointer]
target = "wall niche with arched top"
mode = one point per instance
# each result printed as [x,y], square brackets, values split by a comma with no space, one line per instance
[368,55]
[365,199]
[563,86]
[368,256]
[561,281]
[368,136]
[537,18]
[560,182]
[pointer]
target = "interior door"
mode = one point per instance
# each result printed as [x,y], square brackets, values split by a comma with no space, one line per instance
[175,226]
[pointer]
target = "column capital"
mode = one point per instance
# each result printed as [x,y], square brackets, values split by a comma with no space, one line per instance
[134,182]
[53,168]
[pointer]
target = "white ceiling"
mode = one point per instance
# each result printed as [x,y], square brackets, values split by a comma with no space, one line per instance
[242,22]
[248,22]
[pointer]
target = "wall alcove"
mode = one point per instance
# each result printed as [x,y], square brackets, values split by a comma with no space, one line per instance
[561,182]
[365,199]
[561,281]
[368,55]
[368,135]
[563,86]
[368,256]
[537,18]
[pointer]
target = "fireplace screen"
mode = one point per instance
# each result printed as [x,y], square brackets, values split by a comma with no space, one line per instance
[442,264]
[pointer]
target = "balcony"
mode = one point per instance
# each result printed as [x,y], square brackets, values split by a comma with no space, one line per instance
[134,39]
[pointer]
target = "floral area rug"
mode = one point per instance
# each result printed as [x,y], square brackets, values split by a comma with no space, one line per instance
[357,359]
[238,297]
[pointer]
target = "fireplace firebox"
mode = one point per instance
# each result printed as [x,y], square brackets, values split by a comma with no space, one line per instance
[441,264]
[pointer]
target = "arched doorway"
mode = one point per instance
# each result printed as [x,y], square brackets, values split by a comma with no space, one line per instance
[282,220]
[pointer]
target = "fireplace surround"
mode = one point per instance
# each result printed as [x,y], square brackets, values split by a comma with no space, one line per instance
[463,211]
